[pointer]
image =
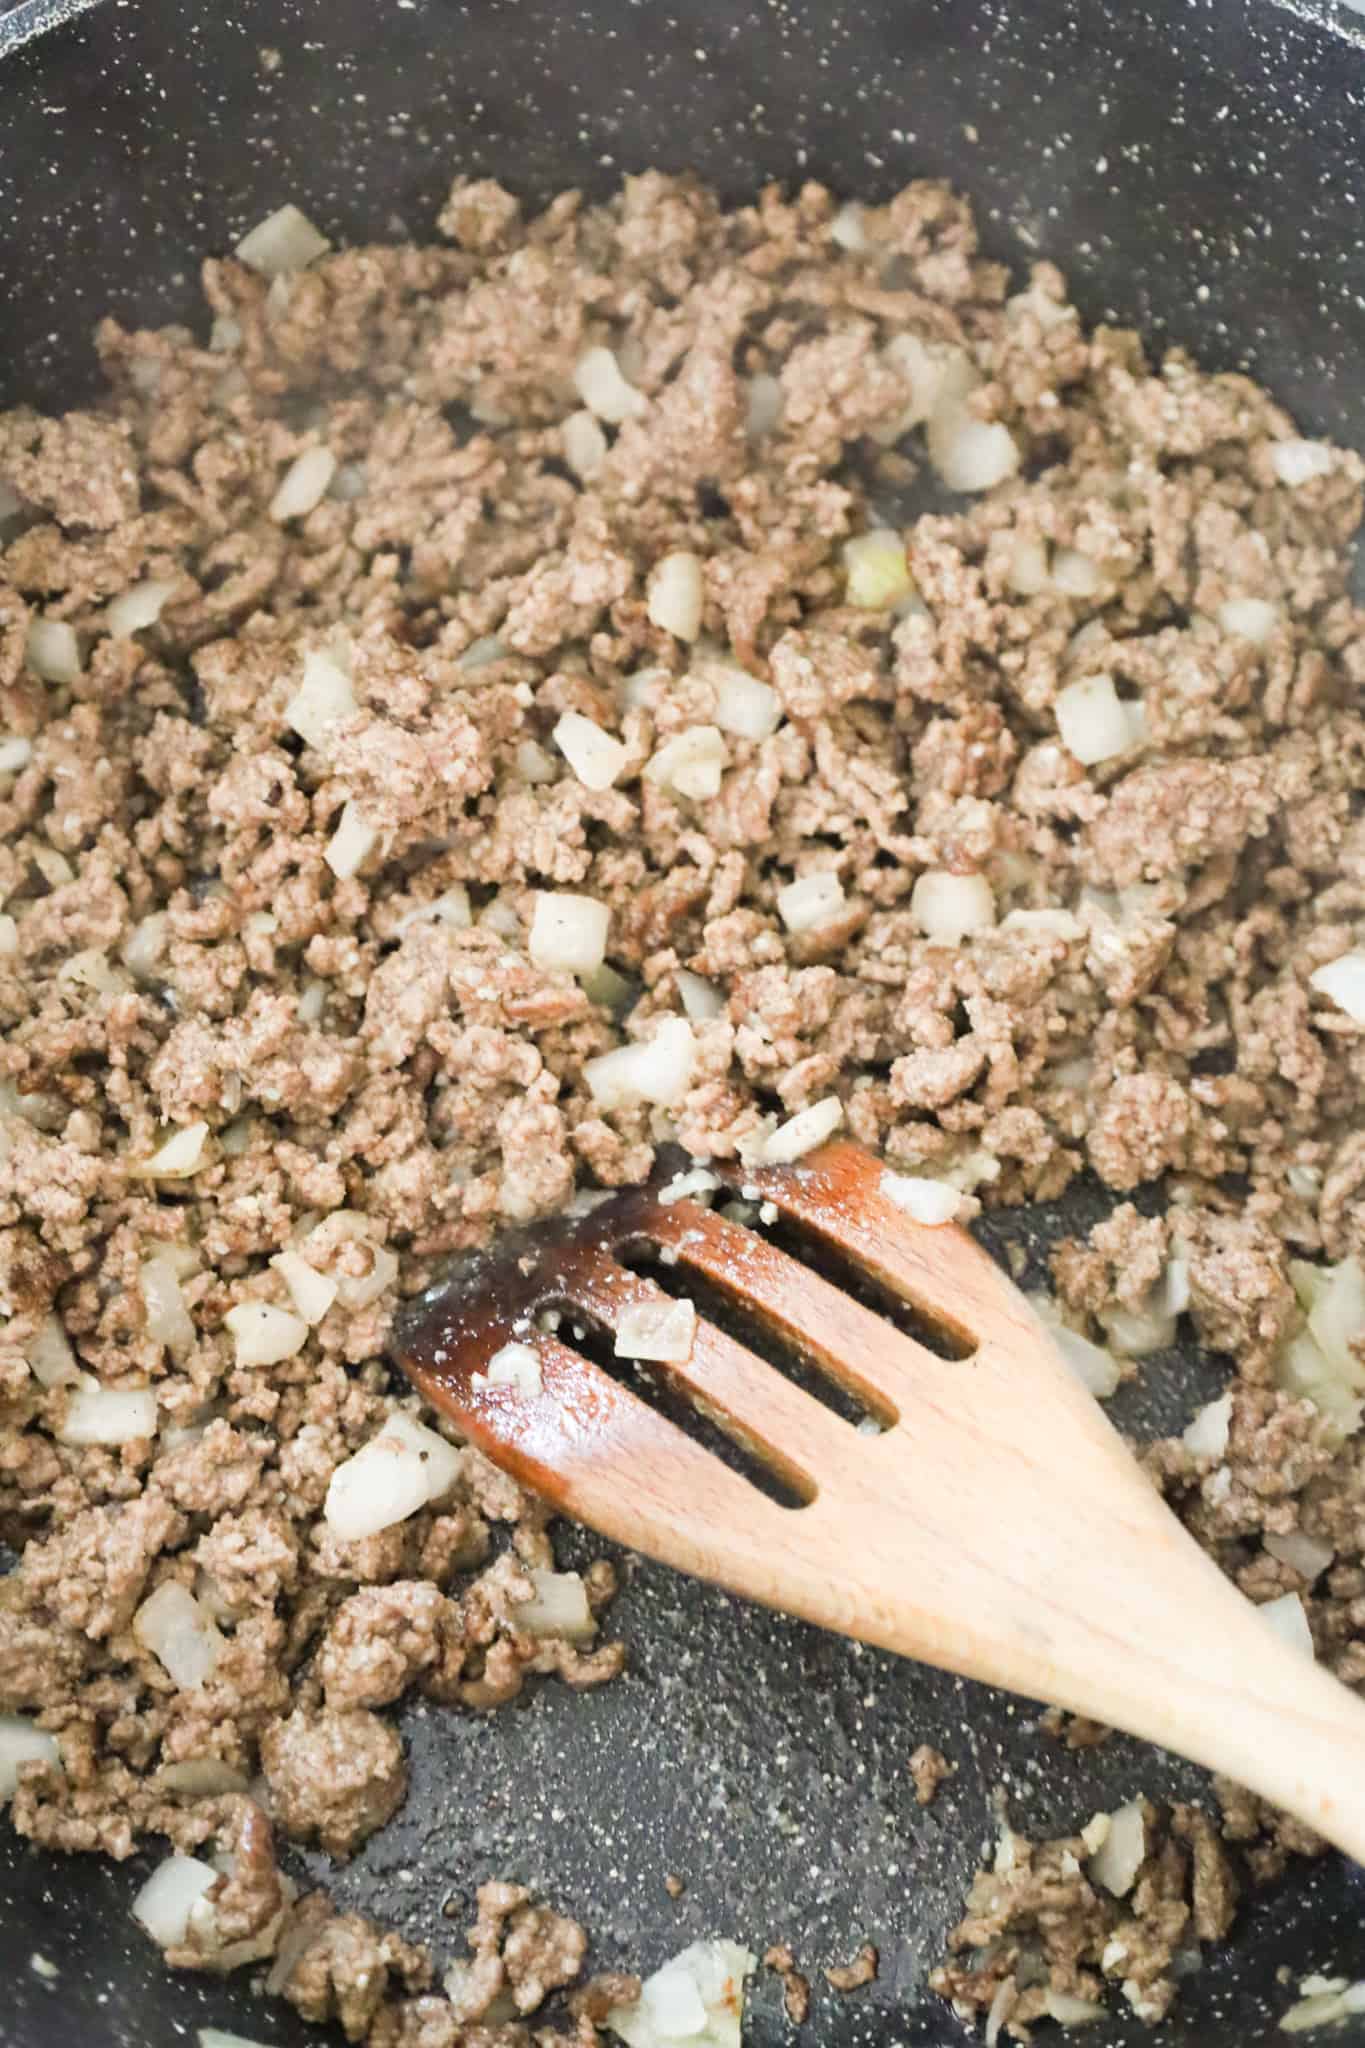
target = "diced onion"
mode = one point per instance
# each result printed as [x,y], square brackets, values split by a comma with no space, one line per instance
[1299,462]
[285,241]
[697,1997]
[1303,1554]
[1134,1333]
[9,936]
[1047,924]
[176,1157]
[1286,1616]
[558,1607]
[1028,567]
[165,1903]
[802,1133]
[383,1483]
[699,997]
[134,610]
[1342,981]
[450,908]
[1207,1435]
[169,1321]
[311,1292]
[1096,1369]
[938,377]
[92,969]
[746,707]
[179,1634]
[1250,618]
[145,944]
[697,1181]
[349,1226]
[947,907]
[50,1357]
[534,764]
[659,1071]
[1070,2011]
[440,1460]
[480,653]
[108,1415]
[52,651]
[691,762]
[351,845]
[657,1329]
[1074,574]
[323,698]
[764,406]
[925,1201]
[516,1366]
[201,1777]
[596,757]
[675,595]
[304,484]
[970,454]
[1120,1856]
[846,229]
[811,901]
[602,984]
[1049,313]
[1301,1368]
[15,754]
[877,571]
[568,933]
[263,1334]
[1334,1298]
[22,1742]
[1092,722]
[600,384]
[584,444]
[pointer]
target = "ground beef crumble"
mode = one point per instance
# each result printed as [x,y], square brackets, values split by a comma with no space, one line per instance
[302,944]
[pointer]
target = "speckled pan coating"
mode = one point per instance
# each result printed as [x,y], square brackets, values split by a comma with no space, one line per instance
[1199,169]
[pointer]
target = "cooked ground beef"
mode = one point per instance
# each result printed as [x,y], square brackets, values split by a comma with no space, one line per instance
[273,832]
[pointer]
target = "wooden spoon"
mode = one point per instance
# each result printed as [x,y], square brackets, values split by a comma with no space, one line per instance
[997,1526]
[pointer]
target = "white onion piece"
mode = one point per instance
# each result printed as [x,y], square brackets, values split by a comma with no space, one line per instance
[351,845]
[283,242]
[1134,1333]
[15,754]
[1092,722]
[440,1460]
[749,709]
[11,504]
[92,969]
[1207,1435]
[450,908]
[1336,1315]
[9,937]
[164,1904]
[311,1292]
[201,1777]
[263,1334]
[218,2037]
[323,698]
[1096,1369]
[1047,924]
[481,652]
[697,1997]
[764,406]
[602,984]
[1117,1861]
[52,651]
[877,570]
[811,901]
[938,375]
[1299,462]
[929,1202]
[584,444]
[108,1415]
[385,1482]
[349,1226]
[596,757]
[169,1321]
[604,390]
[691,763]
[136,609]
[516,1366]
[970,454]
[1075,574]
[1303,1554]
[1286,1616]
[1249,618]
[1028,572]
[349,483]
[179,1634]
[1342,981]
[801,1133]
[558,1607]
[534,764]
[50,1357]
[145,945]
[568,933]
[662,1329]
[948,907]
[1070,2011]
[697,1181]
[659,1071]
[675,595]
[304,484]
[1049,313]
[176,1157]
[22,1742]
[1302,1369]
[699,997]
[846,229]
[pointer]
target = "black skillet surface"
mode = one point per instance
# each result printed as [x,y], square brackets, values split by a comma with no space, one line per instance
[1198,170]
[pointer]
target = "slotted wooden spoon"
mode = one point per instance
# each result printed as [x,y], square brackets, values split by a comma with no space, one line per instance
[997,1527]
